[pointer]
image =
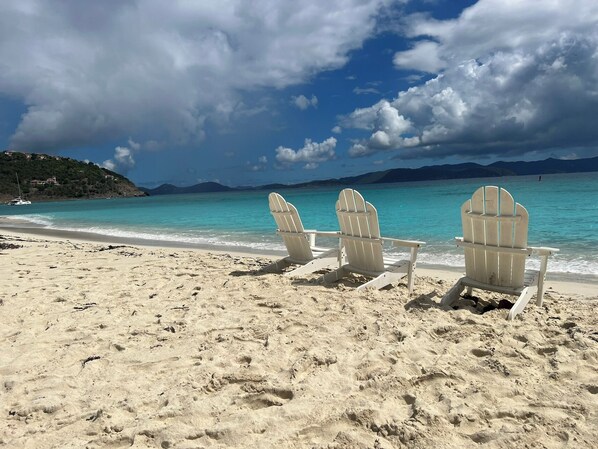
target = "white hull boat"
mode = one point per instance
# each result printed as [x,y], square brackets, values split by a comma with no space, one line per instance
[18,201]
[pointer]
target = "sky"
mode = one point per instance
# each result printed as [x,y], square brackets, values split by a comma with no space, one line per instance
[252,92]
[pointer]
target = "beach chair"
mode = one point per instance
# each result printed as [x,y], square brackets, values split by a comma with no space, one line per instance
[362,245]
[300,243]
[495,244]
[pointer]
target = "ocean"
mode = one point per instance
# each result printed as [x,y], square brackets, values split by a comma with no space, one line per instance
[563,214]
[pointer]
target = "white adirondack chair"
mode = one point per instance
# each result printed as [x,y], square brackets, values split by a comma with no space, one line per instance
[495,244]
[362,245]
[300,243]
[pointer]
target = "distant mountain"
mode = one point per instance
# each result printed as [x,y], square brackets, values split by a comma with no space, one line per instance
[428,173]
[548,166]
[204,187]
[50,178]
[461,171]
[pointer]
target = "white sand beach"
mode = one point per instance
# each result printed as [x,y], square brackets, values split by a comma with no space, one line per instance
[119,345]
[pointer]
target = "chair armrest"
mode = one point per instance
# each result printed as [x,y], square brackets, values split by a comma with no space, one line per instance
[544,250]
[322,233]
[407,243]
[493,248]
[328,233]
[540,250]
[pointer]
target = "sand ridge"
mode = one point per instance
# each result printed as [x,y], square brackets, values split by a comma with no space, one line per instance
[120,346]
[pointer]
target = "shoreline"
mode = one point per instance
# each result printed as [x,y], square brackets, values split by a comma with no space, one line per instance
[33,229]
[569,283]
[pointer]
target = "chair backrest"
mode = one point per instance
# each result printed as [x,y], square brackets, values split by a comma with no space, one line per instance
[359,231]
[493,219]
[290,228]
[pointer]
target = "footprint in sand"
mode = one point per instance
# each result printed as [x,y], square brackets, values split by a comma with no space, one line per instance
[265,397]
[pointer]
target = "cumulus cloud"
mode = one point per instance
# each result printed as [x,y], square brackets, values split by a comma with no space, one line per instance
[387,125]
[302,102]
[312,153]
[514,76]
[123,160]
[337,129]
[491,26]
[90,72]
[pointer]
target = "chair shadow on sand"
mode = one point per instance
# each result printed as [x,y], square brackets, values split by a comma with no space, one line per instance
[424,301]
[473,304]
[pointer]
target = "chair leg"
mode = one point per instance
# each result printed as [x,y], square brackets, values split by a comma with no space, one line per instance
[314,265]
[453,294]
[524,297]
[541,279]
[381,281]
[334,276]
[469,291]
[411,270]
[277,266]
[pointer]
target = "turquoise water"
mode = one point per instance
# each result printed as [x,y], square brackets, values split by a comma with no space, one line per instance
[563,213]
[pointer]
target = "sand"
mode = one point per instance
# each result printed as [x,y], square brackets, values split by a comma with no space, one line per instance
[106,345]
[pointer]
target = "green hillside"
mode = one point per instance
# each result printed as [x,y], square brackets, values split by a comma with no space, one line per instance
[46,178]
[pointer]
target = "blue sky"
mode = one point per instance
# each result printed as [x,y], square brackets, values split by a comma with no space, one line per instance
[249,93]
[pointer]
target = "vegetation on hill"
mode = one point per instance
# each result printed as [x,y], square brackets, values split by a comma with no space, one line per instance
[43,178]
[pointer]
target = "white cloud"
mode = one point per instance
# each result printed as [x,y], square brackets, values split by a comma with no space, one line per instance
[302,102]
[337,129]
[359,149]
[516,76]
[424,56]
[491,26]
[388,126]
[312,153]
[109,164]
[134,145]
[158,71]
[123,160]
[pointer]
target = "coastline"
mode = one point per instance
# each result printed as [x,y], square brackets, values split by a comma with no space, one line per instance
[16,226]
[572,283]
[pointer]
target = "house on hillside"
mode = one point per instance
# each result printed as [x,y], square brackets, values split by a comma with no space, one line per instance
[49,181]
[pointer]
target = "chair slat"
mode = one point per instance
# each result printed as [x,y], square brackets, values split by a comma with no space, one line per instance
[520,241]
[507,210]
[479,236]
[491,229]
[467,223]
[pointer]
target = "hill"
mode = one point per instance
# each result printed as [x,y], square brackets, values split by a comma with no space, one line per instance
[45,178]
[427,173]
[471,170]
[204,187]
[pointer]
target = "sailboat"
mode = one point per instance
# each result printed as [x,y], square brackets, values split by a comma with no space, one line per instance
[18,201]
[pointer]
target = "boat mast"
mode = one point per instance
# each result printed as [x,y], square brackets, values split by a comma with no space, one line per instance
[18,185]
